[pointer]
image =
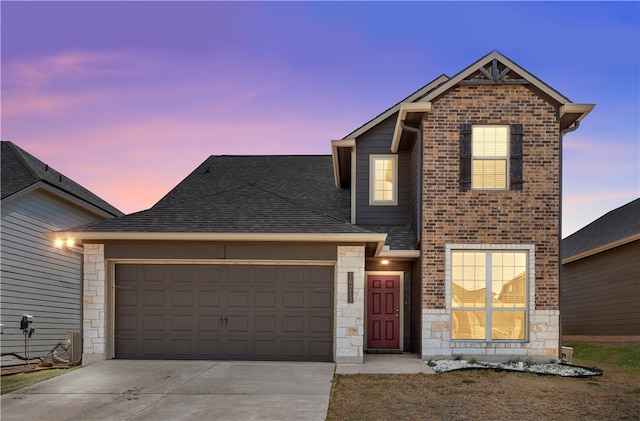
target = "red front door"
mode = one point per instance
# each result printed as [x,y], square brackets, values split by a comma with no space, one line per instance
[383,312]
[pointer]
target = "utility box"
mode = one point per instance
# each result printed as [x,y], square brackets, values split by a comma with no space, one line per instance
[74,341]
[567,354]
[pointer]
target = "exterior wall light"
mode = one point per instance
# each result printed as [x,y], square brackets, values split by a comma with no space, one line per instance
[384,262]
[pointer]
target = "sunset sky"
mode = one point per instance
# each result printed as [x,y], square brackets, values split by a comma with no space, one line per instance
[127,98]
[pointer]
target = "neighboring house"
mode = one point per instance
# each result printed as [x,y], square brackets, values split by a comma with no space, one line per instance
[445,202]
[37,278]
[601,275]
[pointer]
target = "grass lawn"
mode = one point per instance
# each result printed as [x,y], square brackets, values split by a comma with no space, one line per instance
[18,381]
[487,394]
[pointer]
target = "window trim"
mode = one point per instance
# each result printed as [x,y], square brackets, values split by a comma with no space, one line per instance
[372,159]
[506,158]
[530,299]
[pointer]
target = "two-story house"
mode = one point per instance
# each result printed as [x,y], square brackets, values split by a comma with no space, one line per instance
[434,229]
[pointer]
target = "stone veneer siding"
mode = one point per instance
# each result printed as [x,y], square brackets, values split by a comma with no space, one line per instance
[94,304]
[349,340]
[529,216]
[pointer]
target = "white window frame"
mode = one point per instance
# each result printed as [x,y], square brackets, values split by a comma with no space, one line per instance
[530,298]
[372,200]
[506,157]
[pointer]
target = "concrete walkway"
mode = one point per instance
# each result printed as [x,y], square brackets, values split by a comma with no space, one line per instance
[386,364]
[178,390]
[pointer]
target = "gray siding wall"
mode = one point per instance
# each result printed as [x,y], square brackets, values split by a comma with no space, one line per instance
[378,141]
[37,278]
[601,293]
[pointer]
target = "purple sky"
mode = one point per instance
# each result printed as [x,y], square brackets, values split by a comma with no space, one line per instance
[127,98]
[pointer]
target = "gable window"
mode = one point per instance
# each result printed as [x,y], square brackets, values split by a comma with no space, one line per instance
[383,179]
[490,157]
[489,294]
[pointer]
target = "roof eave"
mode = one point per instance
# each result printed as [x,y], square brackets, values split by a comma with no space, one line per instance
[404,109]
[335,146]
[62,194]
[601,248]
[81,237]
[571,114]
[416,96]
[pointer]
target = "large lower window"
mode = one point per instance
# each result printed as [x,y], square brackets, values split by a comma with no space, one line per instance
[383,180]
[490,151]
[488,294]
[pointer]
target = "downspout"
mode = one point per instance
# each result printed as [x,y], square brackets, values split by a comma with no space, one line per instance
[418,133]
[562,133]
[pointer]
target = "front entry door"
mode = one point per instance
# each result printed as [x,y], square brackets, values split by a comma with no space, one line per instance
[383,312]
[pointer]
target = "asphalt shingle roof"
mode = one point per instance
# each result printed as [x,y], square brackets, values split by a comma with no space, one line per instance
[20,170]
[255,194]
[616,225]
[247,194]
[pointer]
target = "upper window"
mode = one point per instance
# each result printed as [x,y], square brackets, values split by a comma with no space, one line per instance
[383,180]
[488,295]
[490,155]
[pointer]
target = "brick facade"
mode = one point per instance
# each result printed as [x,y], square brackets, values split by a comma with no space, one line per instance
[528,216]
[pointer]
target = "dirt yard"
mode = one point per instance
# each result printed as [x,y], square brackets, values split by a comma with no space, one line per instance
[487,394]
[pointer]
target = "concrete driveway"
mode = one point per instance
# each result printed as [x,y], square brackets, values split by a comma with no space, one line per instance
[178,390]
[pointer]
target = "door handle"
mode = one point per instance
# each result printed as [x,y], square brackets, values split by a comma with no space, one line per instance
[226,322]
[223,321]
[397,312]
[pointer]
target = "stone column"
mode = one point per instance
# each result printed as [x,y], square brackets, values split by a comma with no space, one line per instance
[350,316]
[94,304]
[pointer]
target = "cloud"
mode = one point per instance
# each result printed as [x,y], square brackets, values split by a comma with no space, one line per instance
[42,71]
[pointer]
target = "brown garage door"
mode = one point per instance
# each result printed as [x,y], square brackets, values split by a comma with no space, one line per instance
[236,312]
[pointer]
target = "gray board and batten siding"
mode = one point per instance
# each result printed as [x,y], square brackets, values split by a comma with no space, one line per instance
[377,141]
[601,293]
[37,278]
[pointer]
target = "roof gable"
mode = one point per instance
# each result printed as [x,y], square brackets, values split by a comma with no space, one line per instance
[21,170]
[615,228]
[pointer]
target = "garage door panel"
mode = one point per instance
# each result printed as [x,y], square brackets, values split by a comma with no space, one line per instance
[182,347]
[182,298]
[182,323]
[264,324]
[153,298]
[127,297]
[208,348]
[237,299]
[240,274]
[224,312]
[183,274]
[153,347]
[208,298]
[154,273]
[320,299]
[265,299]
[293,299]
[267,275]
[209,274]
[153,323]
[209,323]
[320,324]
